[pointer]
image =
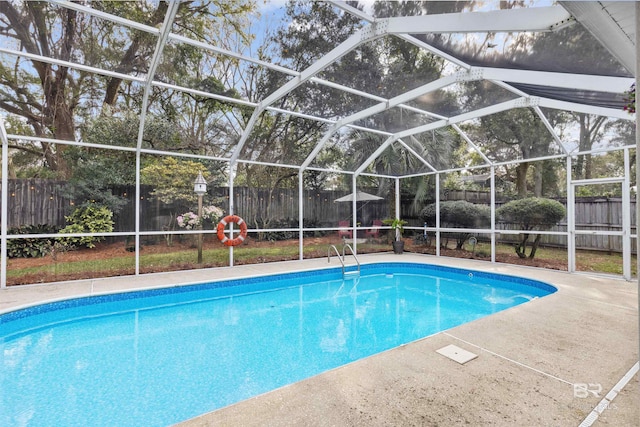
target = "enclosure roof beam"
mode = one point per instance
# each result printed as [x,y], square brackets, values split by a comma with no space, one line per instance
[72,65]
[295,73]
[225,52]
[360,37]
[419,111]
[511,20]
[609,32]
[507,163]
[440,123]
[510,88]
[493,109]
[320,145]
[169,86]
[219,50]
[254,104]
[211,48]
[518,161]
[587,109]
[375,154]
[222,51]
[550,128]
[106,16]
[560,17]
[172,10]
[409,38]
[418,156]
[471,143]
[405,97]
[383,106]
[561,80]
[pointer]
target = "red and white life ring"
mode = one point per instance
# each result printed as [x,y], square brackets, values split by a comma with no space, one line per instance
[243,230]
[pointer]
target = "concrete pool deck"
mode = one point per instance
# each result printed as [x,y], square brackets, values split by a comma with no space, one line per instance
[532,358]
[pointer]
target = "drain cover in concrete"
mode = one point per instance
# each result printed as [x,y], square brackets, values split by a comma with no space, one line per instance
[457,354]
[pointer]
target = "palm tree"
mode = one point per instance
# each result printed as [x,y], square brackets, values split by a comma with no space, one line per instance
[435,148]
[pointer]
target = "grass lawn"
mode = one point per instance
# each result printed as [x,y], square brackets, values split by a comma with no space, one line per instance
[587,261]
[113,260]
[212,257]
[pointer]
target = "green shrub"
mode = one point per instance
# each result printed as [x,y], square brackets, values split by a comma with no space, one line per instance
[532,213]
[280,235]
[87,219]
[458,214]
[30,247]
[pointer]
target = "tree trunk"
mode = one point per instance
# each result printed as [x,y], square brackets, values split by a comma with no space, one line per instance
[521,248]
[63,128]
[521,179]
[577,167]
[537,187]
[131,58]
[588,166]
[534,247]
[589,130]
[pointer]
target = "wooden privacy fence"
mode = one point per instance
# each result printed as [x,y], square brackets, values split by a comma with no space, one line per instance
[591,214]
[266,207]
[36,201]
[39,201]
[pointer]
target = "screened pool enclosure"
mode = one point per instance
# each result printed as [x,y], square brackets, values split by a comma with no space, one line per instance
[438,114]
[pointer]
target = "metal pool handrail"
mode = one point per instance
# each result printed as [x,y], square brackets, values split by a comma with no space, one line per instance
[337,253]
[346,245]
[341,258]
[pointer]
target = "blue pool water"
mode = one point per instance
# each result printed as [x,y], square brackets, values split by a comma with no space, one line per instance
[161,356]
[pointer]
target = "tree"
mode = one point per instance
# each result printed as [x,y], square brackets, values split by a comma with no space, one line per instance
[97,171]
[523,130]
[400,66]
[54,99]
[591,128]
[532,213]
[172,180]
[312,30]
[520,132]
[95,175]
[458,214]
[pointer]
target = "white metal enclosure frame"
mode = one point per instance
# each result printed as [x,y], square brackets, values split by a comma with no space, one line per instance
[538,19]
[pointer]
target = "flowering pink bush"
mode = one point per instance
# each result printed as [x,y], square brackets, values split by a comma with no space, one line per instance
[212,213]
[188,220]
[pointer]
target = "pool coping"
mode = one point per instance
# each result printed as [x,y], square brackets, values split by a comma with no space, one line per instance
[520,350]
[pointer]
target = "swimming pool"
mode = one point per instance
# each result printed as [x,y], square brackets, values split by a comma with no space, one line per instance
[161,356]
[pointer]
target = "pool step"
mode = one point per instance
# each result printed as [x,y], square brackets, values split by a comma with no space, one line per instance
[351,274]
[342,258]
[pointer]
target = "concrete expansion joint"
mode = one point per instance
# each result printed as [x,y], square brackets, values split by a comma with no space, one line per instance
[508,359]
[604,404]
[622,307]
